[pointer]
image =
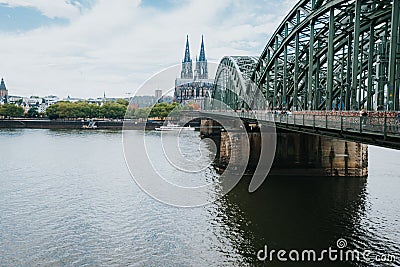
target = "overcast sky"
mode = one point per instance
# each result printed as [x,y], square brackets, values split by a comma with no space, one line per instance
[82,48]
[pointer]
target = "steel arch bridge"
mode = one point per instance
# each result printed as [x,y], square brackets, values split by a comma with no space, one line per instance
[325,55]
[232,82]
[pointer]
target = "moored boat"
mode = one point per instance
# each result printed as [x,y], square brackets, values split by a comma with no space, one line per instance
[174,127]
[91,125]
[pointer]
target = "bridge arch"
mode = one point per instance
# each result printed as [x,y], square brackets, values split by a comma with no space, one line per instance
[325,55]
[333,54]
[232,82]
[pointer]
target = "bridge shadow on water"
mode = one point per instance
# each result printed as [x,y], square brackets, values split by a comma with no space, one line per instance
[294,213]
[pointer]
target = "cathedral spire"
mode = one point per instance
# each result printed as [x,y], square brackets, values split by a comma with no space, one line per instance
[202,52]
[3,91]
[187,72]
[2,85]
[187,51]
[201,63]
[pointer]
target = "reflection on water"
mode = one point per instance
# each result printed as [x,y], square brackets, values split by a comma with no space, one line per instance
[294,213]
[304,213]
[66,198]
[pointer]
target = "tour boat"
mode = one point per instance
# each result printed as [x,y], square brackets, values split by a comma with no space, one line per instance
[174,127]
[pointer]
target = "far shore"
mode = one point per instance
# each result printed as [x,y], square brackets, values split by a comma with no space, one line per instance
[44,123]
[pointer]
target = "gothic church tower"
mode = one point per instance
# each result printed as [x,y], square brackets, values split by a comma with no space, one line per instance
[187,72]
[201,63]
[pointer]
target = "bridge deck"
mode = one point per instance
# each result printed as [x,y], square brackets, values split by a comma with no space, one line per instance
[379,129]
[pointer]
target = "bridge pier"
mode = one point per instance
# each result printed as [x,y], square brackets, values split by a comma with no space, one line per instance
[297,154]
[300,154]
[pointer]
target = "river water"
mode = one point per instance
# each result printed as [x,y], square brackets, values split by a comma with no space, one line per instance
[67,199]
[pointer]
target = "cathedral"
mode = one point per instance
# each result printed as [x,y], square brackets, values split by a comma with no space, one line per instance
[3,92]
[193,87]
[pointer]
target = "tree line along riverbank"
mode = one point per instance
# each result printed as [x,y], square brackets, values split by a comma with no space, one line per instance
[112,115]
[83,110]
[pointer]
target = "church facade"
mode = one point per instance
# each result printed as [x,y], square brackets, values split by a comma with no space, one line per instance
[193,86]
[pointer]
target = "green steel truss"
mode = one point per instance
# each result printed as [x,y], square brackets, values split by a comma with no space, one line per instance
[326,54]
[232,82]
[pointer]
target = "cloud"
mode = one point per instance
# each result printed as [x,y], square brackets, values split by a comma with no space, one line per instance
[115,47]
[51,9]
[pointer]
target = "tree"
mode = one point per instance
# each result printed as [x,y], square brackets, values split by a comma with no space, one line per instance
[159,110]
[142,113]
[94,111]
[64,110]
[176,111]
[123,102]
[10,110]
[52,112]
[131,112]
[113,111]
[81,109]
[163,110]
[32,113]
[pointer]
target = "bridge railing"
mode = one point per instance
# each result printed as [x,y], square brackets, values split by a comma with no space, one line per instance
[376,124]
[379,123]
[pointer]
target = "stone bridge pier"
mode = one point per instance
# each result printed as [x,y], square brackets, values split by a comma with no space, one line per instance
[297,154]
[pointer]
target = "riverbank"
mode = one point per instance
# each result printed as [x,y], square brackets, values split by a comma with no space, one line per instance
[78,124]
[75,124]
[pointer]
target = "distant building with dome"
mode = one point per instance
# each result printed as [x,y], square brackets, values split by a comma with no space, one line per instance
[3,92]
[193,87]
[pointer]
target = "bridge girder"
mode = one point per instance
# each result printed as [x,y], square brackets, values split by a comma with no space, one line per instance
[333,54]
[326,54]
[232,82]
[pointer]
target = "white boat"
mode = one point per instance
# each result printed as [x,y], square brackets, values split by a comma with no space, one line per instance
[174,127]
[91,125]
